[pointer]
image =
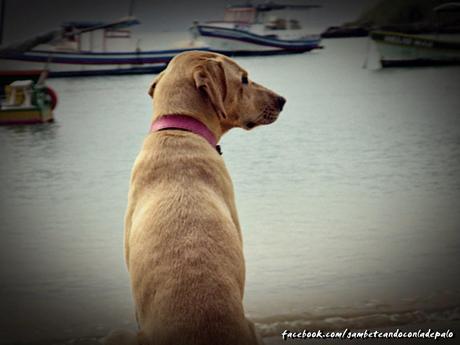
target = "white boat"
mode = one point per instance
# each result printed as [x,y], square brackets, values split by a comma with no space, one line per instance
[254,30]
[86,48]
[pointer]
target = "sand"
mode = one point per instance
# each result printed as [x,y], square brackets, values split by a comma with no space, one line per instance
[440,326]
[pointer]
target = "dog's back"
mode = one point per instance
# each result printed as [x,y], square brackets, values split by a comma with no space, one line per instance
[183,244]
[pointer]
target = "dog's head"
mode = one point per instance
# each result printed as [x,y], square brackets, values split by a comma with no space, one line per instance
[219,84]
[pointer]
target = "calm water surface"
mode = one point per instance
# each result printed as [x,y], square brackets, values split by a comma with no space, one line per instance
[349,203]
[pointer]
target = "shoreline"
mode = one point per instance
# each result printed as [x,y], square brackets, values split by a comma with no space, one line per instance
[359,319]
[440,326]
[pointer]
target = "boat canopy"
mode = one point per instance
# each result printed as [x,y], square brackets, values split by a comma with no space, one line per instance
[448,7]
[25,45]
[81,24]
[240,14]
[272,6]
[86,26]
[251,13]
[69,30]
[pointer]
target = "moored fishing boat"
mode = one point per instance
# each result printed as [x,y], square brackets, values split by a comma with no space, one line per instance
[86,49]
[399,49]
[403,49]
[249,30]
[26,101]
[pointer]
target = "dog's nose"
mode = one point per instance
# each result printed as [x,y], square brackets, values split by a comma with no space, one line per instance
[281,101]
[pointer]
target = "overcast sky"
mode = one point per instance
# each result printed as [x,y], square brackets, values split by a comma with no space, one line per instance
[24,18]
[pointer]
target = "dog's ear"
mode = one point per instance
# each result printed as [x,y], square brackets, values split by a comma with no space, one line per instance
[154,84]
[209,78]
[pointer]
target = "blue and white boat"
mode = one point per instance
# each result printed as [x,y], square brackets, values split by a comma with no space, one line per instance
[256,30]
[85,49]
[94,48]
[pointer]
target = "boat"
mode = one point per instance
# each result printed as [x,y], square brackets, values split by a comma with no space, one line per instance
[250,30]
[83,48]
[26,101]
[91,48]
[399,49]
[345,31]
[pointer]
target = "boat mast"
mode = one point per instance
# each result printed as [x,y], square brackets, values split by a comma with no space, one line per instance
[131,8]
[2,19]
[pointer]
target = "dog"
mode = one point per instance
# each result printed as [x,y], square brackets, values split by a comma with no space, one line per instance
[183,242]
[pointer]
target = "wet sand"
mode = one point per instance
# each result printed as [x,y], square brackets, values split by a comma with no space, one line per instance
[440,326]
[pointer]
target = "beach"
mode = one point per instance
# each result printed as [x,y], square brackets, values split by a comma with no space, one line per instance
[451,327]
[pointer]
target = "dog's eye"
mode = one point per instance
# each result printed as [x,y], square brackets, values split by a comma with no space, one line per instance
[244,79]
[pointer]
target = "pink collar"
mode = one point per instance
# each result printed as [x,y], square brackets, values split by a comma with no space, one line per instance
[185,123]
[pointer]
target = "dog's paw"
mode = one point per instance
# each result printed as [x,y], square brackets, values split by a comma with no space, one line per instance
[120,337]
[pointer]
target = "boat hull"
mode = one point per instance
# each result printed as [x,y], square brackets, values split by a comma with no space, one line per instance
[69,64]
[25,116]
[232,41]
[403,50]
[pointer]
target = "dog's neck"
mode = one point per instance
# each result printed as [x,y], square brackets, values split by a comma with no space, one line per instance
[186,123]
[187,102]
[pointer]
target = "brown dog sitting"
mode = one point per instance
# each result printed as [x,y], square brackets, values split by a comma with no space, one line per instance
[183,241]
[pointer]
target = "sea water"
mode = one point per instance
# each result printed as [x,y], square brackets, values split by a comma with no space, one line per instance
[349,203]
